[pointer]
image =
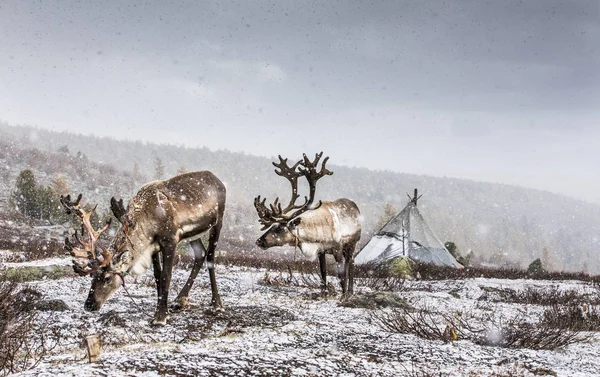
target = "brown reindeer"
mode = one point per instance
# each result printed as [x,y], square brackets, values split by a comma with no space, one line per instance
[326,228]
[158,217]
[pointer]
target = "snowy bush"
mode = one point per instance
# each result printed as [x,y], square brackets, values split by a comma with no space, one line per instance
[23,342]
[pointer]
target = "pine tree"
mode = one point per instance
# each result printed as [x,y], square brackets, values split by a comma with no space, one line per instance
[536,267]
[136,174]
[181,169]
[159,168]
[389,211]
[24,196]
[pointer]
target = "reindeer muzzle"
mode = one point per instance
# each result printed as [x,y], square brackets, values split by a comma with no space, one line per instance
[261,243]
[91,305]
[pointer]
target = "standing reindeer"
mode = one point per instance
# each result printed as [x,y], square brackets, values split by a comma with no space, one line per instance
[327,228]
[159,216]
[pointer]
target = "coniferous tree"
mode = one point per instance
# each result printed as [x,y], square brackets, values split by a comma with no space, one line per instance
[389,211]
[181,170]
[159,168]
[24,196]
[137,175]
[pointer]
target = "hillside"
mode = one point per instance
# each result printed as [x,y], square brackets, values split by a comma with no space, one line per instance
[500,223]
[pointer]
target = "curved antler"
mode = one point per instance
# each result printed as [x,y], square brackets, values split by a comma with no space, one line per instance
[87,249]
[309,170]
[292,175]
[303,168]
[267,216]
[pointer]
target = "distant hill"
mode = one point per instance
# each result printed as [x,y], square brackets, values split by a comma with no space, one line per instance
[500,223]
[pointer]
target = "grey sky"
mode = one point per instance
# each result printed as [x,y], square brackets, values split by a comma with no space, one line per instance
[504,91]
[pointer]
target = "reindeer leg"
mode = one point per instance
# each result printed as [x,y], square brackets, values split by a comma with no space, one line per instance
[213,238]
[323,269]
[157,271]
[341,269]
[348,251]
[199,255]
[167,248]
[351,250]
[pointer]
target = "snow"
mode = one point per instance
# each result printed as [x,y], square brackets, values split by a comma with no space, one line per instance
[67,261]
[287,331]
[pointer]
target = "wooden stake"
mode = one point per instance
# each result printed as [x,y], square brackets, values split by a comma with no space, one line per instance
[92,343]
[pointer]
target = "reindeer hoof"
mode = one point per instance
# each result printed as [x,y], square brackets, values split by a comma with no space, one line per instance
[215,310]
[180,304]
[159,321]
[345,296]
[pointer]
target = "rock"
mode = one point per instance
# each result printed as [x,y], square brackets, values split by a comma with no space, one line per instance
[52,306]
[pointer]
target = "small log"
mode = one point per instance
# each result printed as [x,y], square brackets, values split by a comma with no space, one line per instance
[92,343]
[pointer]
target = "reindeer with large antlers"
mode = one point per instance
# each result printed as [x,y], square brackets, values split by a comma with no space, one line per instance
[157,218]
[320,229]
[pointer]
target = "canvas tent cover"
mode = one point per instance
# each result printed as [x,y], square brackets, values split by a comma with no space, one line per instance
[406,235]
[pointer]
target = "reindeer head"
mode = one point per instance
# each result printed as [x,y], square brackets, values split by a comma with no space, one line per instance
[89,258]
[279,221]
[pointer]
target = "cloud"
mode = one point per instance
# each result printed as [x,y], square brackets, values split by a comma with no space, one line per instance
[504,91]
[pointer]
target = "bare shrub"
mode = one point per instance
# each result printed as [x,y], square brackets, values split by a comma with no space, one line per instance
[434,272]
[516,332]
[18,234]
[576,317]
[302,279]
[407,320]
[537,296]
[24,339]
[378,277]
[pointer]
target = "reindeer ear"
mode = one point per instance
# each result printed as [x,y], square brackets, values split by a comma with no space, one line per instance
[294,223]
[118,208]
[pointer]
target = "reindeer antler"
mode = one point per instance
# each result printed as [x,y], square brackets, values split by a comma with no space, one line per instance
[303,168]
[309,170]
[87,249]
[267,216]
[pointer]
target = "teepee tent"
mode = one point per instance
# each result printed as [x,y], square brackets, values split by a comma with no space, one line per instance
[406,235]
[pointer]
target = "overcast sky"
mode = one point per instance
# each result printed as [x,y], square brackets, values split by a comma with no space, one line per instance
[503,91]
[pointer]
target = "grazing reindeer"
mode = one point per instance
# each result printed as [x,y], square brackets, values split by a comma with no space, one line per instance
[158,217]
[327,228]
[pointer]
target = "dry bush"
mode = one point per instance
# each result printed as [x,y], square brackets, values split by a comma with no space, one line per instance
[18,234]
[302,279]
[381,284]
[573,317]
[537,296]
[378,277]
[24,339]
[433,272]
[518,333]
[513,333]
[407,320]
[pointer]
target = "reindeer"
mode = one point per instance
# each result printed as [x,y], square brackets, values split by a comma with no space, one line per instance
[327,228]
[159,216]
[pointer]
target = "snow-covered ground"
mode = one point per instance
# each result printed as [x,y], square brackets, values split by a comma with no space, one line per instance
[67,261]
[287,331]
